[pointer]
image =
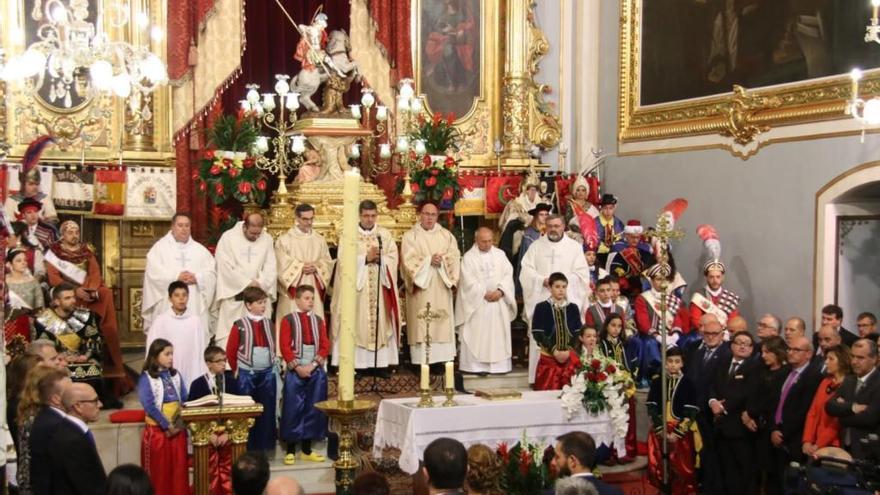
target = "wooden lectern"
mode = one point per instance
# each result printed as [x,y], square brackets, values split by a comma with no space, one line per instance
[236,421]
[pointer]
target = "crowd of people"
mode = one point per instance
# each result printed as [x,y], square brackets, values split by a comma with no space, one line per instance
[587,282]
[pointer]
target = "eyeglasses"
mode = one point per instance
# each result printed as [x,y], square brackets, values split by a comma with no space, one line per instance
[217,361]
[765,325]
[796,349]
[743,344]
[712,334]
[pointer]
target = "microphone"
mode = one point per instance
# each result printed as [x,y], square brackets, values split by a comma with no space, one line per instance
[220,381]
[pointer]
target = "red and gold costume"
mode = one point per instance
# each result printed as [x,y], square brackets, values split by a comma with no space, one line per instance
[679,420]
[78,266]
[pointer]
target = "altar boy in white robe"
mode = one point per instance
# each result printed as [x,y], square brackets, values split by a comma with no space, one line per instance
[377,337]
[485,307]
[245,258]
[187,333]
[554,252]
[177,256]
[430,266]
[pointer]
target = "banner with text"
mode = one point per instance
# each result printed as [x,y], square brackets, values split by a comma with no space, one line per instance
[73,191]
[151,193]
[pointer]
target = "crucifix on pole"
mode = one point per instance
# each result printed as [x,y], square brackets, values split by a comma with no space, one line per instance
[428,316]
[664,233]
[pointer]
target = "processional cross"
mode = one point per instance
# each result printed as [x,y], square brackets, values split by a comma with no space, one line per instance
[428,316]
[664,232]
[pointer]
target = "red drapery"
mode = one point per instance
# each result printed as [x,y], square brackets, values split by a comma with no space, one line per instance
[392,18]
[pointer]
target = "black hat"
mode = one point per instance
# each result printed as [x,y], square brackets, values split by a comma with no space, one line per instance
[29,203]
[607,199]
[539,208]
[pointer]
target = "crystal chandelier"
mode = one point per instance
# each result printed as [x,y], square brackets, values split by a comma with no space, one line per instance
[72,59]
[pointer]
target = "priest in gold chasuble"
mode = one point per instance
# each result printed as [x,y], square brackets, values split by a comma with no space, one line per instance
[431,262]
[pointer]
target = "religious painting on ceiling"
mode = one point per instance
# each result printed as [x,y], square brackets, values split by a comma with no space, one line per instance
[449,54]
[738,67]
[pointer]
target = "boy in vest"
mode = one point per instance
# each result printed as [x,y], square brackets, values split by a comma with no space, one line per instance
[250,351]
[304,346]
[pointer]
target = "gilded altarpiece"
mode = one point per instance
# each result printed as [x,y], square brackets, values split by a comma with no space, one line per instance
[478,60]
[95,128]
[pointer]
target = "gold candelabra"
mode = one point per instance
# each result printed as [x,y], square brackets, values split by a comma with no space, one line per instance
[372,166]
[287,157]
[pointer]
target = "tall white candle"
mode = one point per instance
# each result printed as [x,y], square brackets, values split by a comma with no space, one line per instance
[450,376]
[423,383]
[348,283]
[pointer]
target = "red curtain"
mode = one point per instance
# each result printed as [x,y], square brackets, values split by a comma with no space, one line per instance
[392,18]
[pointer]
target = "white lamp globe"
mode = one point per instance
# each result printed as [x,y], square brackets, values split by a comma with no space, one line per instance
[872,111]
[282,87]
[367,99]
[101,74]
[121,85]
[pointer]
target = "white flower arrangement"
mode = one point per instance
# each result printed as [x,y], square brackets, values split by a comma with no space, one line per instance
[601,384]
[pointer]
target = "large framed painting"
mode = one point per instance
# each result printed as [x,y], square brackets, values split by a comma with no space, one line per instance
[738,68]
[457,68]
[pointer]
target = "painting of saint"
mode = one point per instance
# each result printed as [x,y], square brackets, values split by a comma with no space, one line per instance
[450,54]
[696,48]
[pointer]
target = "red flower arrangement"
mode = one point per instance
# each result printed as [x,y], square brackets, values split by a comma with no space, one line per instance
[228,170]
[527,469]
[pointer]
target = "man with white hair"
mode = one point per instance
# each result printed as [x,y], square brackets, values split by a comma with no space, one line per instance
[629,258]
[486,305]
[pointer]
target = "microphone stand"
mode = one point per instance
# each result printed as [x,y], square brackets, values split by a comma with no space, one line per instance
[375,387]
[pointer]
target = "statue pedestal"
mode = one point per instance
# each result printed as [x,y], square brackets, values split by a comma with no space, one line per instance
[333,138]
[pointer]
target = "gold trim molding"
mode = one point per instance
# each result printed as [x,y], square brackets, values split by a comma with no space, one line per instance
[739,117]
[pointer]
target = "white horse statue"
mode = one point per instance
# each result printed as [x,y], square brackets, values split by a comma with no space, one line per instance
[338,68]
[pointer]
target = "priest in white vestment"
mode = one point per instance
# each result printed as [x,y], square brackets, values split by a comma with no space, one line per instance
[177,256]
[303,259]
[245,258]
[554,252]
[377,336]
[485,307]
[430,269]
[187,333]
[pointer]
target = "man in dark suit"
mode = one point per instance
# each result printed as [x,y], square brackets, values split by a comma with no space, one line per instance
[857,401]
[50,386]
[575,457]
[793,402]
[735,381]
[74,460]
[832,316]
[445,466]
[702,359]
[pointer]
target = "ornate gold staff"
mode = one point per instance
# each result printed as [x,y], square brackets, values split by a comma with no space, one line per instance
[664,233]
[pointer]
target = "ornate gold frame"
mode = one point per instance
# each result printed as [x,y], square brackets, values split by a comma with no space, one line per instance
[738,117]
[510,106]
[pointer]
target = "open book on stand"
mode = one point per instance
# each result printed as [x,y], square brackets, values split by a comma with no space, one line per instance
[228,400]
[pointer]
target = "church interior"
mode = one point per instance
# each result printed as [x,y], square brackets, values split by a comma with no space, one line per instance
[567,246]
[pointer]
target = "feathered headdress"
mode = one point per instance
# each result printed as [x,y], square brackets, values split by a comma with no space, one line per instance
[30,160]
[712,246]
[673,210]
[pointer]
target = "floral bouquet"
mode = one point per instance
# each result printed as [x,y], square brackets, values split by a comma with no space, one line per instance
[439,135]
[600,385]
[527,467]
[228,167]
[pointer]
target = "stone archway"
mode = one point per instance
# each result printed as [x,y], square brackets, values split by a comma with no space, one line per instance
[854,194]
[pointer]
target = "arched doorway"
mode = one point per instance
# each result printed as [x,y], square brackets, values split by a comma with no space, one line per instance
[847,244]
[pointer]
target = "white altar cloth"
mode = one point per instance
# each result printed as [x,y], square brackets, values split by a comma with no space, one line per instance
[540,415]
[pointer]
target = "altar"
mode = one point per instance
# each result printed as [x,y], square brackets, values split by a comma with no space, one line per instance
[537,415]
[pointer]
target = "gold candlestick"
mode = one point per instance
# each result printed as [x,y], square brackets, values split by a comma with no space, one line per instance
[425,398]
[450,393]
